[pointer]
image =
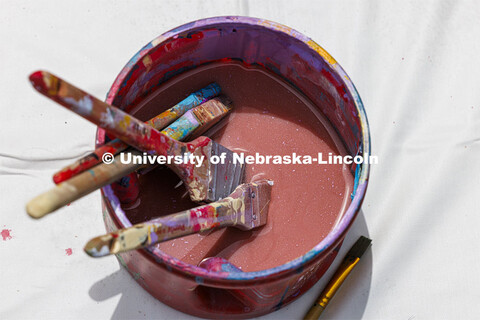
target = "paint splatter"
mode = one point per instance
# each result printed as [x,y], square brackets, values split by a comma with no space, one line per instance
[68,251]
[6,234]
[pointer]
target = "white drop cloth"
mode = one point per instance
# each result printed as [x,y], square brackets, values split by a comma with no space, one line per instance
[416,65]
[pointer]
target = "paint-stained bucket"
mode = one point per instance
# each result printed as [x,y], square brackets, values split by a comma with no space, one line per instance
[206,292]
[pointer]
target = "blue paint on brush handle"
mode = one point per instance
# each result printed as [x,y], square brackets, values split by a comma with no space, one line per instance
[197,98]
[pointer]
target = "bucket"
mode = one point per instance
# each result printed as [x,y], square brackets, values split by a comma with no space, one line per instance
[229,292]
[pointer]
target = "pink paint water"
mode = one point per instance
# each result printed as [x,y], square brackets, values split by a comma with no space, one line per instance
[6,234]
[270,118]
[68,251]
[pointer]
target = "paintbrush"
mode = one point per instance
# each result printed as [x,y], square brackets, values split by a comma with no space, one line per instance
[246,208]
[351,259]
[199,120]
[159,122]
[193,122]
[205,181]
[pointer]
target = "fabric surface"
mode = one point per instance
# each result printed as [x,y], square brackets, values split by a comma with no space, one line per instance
[416,67]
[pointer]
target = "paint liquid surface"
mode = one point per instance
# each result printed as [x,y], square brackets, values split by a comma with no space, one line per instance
[271,118]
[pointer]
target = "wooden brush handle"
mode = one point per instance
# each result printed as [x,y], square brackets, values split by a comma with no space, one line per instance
[222,213]
[86,182]
[78,186]
[115,146]
[113,120]
[95,158]
[159,122]
[103,174]
[195,99]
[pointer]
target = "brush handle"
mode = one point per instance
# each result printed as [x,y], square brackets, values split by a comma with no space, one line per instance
[159,122]
[77,187]
[115,146]
[333,285]
[193,100]
[104,174]
[183,127]
[115,121]
[219,214]
[239,210]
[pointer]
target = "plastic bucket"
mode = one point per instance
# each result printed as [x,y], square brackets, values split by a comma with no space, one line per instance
[306,66]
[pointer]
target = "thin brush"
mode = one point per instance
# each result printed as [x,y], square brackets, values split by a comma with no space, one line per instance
[159,122]
[351,259]
[246,208]
[206,182]
[198,120]
[104,174]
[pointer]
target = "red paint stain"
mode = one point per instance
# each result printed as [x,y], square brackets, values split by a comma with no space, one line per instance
[6,234]
[87,162]
[37,81]
[62,176]
[68,251]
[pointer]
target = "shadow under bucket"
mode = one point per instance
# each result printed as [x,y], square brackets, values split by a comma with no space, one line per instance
[217,289]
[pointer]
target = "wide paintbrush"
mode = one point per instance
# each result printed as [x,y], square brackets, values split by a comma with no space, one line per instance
[246,208]
[205,181]
[159,122]
[193,122]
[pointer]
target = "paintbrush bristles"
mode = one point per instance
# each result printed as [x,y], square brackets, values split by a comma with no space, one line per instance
[256,199]
[359,248]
